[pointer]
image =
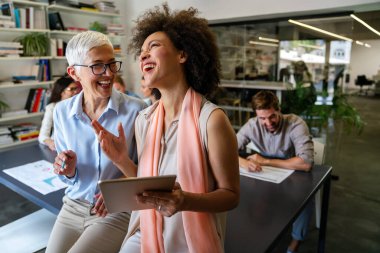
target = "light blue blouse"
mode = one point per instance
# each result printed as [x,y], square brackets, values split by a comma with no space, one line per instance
[73,131]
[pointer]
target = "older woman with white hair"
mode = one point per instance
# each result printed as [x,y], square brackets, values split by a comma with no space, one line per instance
[83,224]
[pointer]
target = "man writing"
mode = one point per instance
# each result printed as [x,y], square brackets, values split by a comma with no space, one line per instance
[282,140]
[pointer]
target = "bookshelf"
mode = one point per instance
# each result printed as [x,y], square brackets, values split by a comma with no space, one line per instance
[75,20]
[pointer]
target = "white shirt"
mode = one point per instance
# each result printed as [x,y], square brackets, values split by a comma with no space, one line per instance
[46,130]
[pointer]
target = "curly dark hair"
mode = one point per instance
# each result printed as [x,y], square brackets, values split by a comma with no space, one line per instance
[188,33]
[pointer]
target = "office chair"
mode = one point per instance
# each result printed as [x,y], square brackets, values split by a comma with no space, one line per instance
[361,81]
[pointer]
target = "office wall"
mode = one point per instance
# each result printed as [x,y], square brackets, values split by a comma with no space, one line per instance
[217,11]
[364,61]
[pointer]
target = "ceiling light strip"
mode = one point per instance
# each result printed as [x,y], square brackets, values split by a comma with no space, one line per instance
[365,24]
[263,43]
[360,43]
[269,39]
[310,46]
[319,30]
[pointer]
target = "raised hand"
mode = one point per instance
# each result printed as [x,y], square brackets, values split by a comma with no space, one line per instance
[115,147]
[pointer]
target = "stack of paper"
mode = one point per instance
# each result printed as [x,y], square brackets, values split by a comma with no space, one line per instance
[269,174]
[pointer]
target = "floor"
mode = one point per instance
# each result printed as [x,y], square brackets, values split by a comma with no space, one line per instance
[354,216]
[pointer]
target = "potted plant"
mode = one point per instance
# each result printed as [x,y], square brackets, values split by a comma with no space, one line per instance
[301,101]
[3,105]
[98,27]
[34,44]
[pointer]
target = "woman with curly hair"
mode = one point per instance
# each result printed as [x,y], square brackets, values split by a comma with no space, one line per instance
[182,134]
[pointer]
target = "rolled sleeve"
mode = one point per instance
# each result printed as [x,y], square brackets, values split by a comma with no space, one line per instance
[302,141]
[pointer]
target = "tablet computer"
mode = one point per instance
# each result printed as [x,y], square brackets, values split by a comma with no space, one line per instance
[119,195]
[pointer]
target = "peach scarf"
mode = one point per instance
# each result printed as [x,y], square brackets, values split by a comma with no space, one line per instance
[200,229]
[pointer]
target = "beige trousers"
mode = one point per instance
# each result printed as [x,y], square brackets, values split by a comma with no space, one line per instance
[76,231]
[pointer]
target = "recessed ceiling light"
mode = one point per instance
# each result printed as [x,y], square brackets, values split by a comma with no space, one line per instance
[362,44]
[359,43]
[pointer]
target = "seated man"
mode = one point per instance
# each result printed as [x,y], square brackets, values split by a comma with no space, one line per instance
[282,140]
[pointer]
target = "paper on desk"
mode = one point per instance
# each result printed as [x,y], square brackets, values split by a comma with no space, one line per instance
[37,175]
[270,174]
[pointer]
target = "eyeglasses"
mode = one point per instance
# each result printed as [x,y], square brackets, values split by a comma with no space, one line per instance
[101,68]
[72,88]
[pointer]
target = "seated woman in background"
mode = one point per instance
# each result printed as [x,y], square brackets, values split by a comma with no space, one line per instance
[64,87]
[150,95]
[120,86]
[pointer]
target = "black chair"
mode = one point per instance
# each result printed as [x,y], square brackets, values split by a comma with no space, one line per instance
[361,81]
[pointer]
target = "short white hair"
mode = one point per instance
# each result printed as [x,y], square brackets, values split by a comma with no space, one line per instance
[82,43]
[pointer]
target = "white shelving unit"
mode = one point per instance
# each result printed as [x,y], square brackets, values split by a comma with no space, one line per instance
[15,95]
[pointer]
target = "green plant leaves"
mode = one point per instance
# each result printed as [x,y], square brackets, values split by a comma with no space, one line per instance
[34,44]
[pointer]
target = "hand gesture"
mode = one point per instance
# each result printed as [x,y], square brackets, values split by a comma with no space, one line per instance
[114,147]
[99,208]
[166,203]
[65,163]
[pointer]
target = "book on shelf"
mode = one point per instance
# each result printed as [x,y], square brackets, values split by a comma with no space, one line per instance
[36,100]
[8,44]
[22,12]
[18,79]
[14,113]
[17,17]
[43,70]
[55,21]
[6,139]
[27,135]
[39,19]
[24,131]
[59,47]
[53,47]
[10,49]
[7,23]
[30,17]
[7,10]
[89,9]
[106,6]
[5,135]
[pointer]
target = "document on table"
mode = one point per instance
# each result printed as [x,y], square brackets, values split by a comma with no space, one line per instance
[37,175]
[270,174]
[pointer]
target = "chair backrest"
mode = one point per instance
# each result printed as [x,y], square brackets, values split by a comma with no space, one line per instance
[362,80]
[319,152]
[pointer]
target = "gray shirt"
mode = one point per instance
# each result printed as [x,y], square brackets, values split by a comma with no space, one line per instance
[291,139]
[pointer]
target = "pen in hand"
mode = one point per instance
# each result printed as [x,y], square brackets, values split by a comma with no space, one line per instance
[63,165]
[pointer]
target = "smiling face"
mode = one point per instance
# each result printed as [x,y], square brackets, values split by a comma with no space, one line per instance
[70,91]
[160,62]
[95,86]
[269,118]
